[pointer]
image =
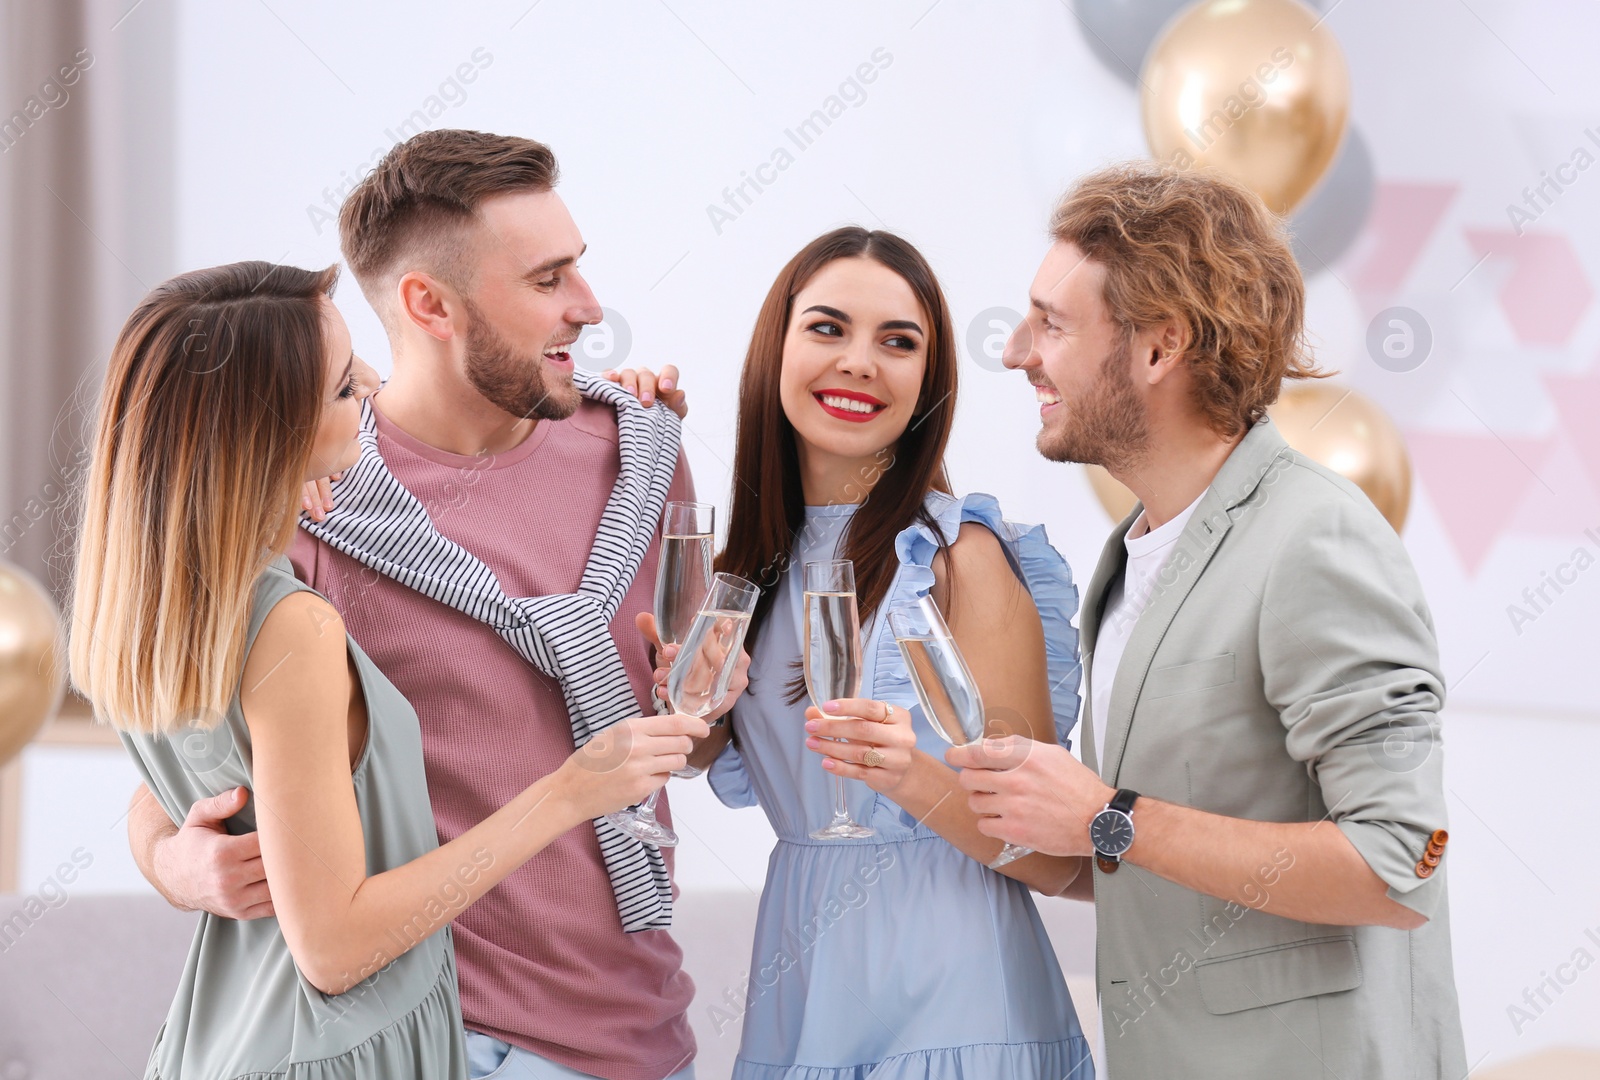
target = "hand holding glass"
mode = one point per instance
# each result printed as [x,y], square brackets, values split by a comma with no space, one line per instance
[943,682]
[833,664]
[699,680]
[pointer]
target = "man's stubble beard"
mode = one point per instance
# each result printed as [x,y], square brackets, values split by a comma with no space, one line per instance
[1107,426]
[516,382]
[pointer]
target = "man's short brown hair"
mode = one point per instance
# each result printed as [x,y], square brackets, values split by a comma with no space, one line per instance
[1203,249]
[418,200]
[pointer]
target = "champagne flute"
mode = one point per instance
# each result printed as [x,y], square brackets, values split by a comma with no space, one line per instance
[944,684]
[833,664]
[683,574]
[699,681]
[683,578]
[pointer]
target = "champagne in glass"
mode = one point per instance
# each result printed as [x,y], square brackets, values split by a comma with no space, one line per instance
[702,672]
[943,682]
[699,681]
[683,577]
[833,664]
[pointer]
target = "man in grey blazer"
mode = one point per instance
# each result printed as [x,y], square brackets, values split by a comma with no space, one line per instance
[1260,806]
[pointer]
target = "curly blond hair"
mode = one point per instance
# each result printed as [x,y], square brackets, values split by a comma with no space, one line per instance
[1201,248]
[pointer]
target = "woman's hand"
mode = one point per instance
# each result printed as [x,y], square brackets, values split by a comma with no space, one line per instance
[645,385]
[317,499]
[875,731]
[627,761]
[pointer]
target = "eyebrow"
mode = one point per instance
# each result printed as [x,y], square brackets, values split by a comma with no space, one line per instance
[348,367]
[892,324]
[555,264]
[1046,308]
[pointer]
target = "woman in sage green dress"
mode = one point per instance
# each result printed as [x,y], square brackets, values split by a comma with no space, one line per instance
[228,390]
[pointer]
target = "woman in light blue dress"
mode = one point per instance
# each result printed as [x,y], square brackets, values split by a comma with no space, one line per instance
[900,955]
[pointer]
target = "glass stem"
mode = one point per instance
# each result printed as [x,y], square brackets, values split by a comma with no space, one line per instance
[841,807]
[647,809]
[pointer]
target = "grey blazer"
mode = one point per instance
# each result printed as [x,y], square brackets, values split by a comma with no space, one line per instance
[1284,670]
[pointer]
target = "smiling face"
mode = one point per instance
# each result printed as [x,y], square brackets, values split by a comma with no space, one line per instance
[853,359]
[346,380]
[526,303]
[1080,363]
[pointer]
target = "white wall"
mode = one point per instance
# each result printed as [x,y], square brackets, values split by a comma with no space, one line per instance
[981,117]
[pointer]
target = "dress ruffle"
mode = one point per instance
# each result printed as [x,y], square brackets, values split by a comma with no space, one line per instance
[1067,1059]
[426,1041]
[1043,571]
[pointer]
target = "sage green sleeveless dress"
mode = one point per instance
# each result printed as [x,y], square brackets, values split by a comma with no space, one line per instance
[243,1011]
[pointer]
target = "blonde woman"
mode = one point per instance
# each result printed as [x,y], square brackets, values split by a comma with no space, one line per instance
[227,391]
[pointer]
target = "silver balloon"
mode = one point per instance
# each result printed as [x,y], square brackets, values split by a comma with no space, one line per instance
[1119,32]
[1324,228]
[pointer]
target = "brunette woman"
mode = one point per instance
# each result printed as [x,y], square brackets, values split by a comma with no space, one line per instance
[901,954]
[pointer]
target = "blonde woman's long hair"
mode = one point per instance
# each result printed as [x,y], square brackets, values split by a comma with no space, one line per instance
[207,419]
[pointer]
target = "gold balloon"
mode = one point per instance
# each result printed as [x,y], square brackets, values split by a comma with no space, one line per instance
[1117,500]
[1333,426]
[1255,88]
[32,672]
[1349,434]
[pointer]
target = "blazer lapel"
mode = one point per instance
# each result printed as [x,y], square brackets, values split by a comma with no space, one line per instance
[1113,557]
[1235,482]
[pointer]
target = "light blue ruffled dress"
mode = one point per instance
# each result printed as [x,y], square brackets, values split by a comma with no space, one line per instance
[895,957]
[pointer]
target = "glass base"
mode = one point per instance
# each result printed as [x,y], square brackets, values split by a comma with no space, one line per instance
[648,830]
[843,830]
[688,773]
[1008,855]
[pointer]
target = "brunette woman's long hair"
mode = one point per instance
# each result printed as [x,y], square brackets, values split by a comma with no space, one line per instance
[207,419]
[768,506]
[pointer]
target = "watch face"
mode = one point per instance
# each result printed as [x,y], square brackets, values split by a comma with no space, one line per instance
[1111,832]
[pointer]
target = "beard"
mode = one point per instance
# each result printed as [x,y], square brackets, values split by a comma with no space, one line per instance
[517,382]
[1107,424]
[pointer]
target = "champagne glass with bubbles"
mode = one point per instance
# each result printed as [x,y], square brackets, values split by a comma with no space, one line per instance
[683,574]
[683,578]
[833,664]
[943,682]
[699,680]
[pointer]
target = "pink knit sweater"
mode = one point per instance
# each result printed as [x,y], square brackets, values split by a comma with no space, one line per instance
[544,961]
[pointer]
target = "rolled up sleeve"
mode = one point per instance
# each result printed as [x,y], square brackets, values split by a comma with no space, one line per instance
[1351,663]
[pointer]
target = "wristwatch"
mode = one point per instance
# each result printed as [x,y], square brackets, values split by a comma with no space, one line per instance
[1111,831]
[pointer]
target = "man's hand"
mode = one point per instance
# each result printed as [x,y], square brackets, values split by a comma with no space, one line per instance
[201,867]
[645,385]
[664,655]
[1030,793]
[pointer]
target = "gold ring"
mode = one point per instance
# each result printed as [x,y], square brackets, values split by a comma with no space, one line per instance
[872,758]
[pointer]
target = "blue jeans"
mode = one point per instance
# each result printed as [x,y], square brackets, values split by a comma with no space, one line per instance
[489,1057]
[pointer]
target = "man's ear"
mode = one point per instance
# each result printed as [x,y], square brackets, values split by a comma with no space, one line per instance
[1162,348]
[428,304]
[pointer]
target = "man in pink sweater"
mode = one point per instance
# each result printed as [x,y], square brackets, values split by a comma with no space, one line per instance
[462,246]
